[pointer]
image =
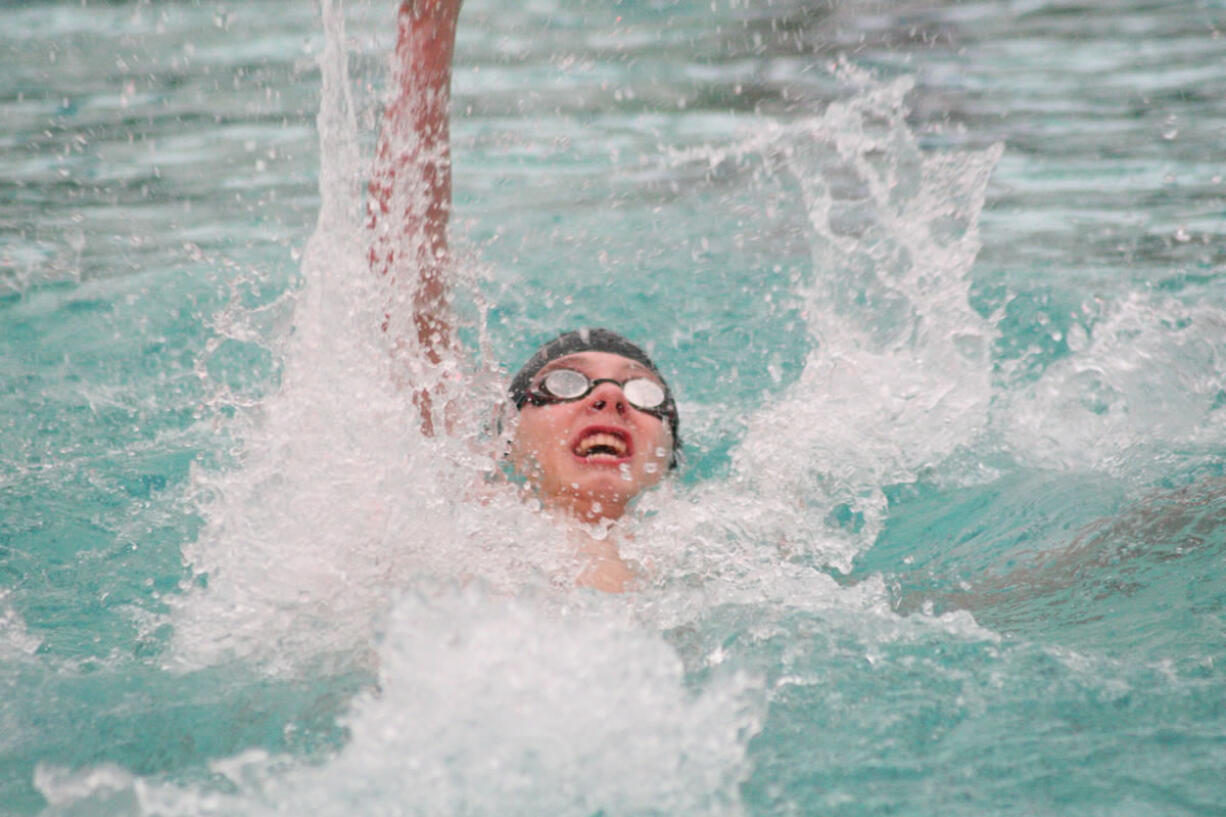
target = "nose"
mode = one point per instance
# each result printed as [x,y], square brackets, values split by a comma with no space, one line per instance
[608,395]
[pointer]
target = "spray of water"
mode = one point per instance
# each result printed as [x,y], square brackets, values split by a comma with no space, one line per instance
[492,707]
[500,689]
[338,499]
[898,378]
[1144,387]
[15,640]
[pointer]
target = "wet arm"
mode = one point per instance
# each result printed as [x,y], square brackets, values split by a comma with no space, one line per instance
[410,188]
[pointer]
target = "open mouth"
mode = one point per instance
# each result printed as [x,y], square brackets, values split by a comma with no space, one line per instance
[602,445]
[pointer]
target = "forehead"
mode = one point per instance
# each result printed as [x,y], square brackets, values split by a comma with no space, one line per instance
[600,364]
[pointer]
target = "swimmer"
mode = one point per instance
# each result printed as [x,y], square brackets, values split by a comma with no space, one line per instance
[597,423]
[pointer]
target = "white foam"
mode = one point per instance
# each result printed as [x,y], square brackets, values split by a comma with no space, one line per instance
[338,501]
[1147,379]
[899,376]
[519,708]
[488,705]
[15,639]
[502,689]
[336,498]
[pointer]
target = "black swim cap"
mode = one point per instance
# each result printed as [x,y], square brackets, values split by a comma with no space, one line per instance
[593,340]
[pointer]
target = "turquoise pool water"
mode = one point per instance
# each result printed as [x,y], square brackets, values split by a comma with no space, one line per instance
[940,287]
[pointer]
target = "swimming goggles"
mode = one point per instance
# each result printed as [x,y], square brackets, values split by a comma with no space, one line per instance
[566,385]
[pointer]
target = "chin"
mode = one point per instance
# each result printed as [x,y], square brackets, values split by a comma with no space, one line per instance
[608,489]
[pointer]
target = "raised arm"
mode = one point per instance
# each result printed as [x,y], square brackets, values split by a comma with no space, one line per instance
[410,187]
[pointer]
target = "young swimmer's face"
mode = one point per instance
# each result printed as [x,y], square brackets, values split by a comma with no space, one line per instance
[592,455]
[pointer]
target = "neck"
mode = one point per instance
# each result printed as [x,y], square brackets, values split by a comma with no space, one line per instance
[601,564]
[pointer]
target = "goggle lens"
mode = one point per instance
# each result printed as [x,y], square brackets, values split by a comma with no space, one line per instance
[568,384]
[644,393]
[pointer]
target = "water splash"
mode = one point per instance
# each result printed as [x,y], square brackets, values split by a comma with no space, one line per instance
[558,702]
[493,707]
[1145,381]
[899,374]
[336,498]
[16,641]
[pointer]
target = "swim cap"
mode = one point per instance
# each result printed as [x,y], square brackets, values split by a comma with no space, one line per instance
[593,340]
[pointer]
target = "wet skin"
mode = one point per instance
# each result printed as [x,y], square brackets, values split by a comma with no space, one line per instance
[590,457]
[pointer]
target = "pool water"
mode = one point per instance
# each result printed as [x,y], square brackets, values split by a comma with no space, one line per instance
[941,289]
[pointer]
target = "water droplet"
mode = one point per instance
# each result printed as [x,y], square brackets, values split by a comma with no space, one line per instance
[1077,338]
